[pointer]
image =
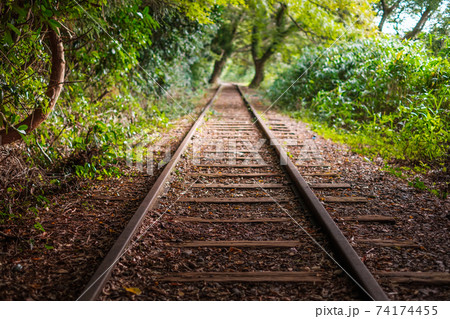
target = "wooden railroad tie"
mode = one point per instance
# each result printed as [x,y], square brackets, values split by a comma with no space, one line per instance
[252,158]
[239,243]
[388,243]
[313,165]
[230,151]
[256,276]
[226,125]
[233,200]
[239,186]
[227,136]
[325,174]
[350,199]
[330,185]
[232,116]
[403,277]
[251,132]
[229,126]
[370,218]
[234,129]
[223,138]
[229,123]
[236,220]
[237,175]
[112,198]
[234,166]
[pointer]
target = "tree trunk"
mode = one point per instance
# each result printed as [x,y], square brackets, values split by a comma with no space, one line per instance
[387,11]
[383,20]
[53,91]
[218,68]
[419,26]
[224,39]
[259,60]
[259,74]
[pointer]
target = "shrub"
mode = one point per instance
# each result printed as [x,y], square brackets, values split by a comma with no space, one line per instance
[397,93]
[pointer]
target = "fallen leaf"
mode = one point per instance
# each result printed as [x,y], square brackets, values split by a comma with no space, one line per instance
[133,290]
[235,250]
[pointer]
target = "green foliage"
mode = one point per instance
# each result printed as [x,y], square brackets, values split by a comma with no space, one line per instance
[202,10]
[275,31]
[392,96]
[131,67]
[417,183]
[122,59]
[39,227]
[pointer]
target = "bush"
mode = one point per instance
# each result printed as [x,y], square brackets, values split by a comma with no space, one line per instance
[395,93]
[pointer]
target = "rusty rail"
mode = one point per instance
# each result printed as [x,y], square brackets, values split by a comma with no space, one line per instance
[103,273]
[346,252]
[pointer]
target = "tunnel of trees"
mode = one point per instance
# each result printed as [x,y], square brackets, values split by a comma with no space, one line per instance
[97,50]
[86,86]
[80,80]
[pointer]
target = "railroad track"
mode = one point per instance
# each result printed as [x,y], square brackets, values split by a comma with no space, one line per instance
[230,217]
[364,213]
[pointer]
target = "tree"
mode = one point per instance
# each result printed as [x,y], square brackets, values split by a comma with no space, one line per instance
[275,30]
[426,9]
[26,26]
[40,113]
[93,45]
[223,43]
[391,10]
[274,26]
[387,9]
[438,38]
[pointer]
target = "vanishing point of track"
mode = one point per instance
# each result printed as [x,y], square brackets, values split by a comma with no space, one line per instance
[231,218]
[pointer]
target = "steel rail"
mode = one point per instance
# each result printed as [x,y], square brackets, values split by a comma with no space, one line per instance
[346,252]
[103,273]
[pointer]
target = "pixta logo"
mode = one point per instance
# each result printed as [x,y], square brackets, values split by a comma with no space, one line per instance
[351,312]
[147,156]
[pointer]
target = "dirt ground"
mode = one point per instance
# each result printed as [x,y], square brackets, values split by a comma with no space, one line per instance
[82,222]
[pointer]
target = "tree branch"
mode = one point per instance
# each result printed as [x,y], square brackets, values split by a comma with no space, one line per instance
[53,91]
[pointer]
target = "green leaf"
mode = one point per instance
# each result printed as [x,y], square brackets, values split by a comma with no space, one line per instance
[21,11]
[38,226]
[47,13]
[22,129]
[7,37]
[55,25]
[17,31]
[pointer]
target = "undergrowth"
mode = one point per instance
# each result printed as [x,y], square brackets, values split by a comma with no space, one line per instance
[383,97]
[414,172]
[85,141]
